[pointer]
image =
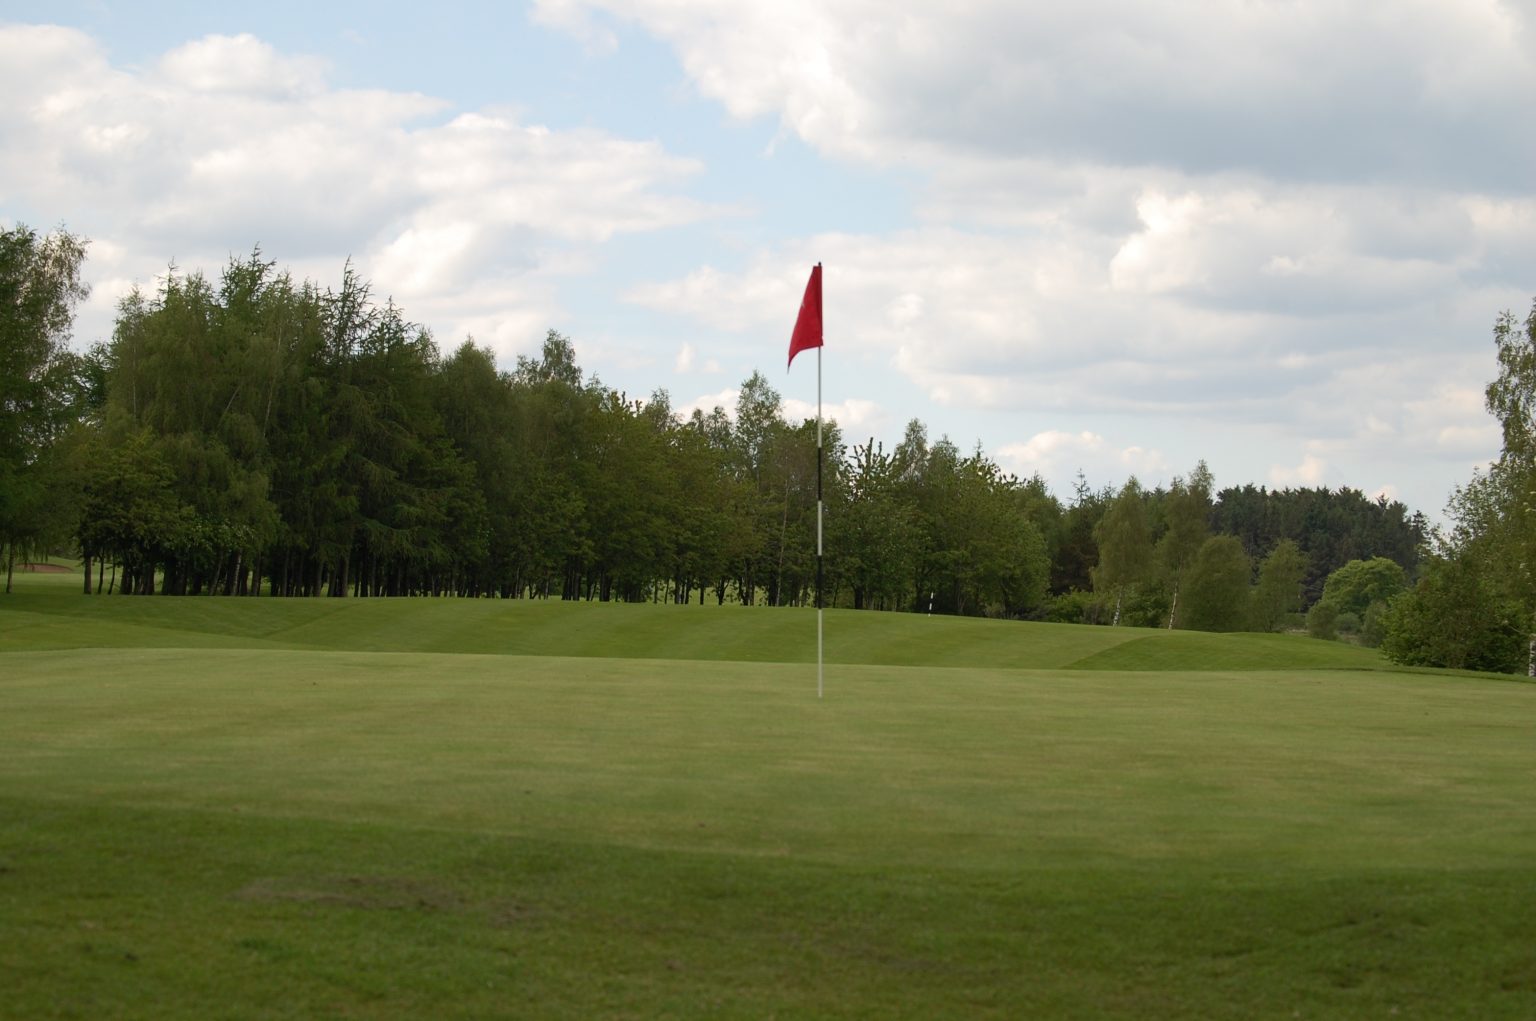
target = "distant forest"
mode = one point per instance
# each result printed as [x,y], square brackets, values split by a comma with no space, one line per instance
[255,435]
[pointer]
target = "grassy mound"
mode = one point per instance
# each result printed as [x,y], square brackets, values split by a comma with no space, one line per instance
[61,620]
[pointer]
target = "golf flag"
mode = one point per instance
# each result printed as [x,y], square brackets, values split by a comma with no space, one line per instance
[808,335]
[808,326]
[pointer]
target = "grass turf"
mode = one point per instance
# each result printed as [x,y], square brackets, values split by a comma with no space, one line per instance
[1063,822]
[49,617]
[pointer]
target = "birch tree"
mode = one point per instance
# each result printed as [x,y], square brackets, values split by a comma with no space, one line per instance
[1125,546]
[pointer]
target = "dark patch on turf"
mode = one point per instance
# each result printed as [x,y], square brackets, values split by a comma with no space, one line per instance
[364,893]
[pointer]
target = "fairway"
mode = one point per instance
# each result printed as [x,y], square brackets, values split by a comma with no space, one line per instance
[407,808]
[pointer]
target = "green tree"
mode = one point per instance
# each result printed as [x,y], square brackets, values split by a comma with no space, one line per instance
[1124,541]
[1495,513]
[1187,511]
[1456,618]
[1488,558]
[39,378]
[130,512]
[1217,586]
[1511,397]
[475,404]
[1332,527]
[1354,587]
[759,428]
[874,533]
[1077,552]
[630,500]
[991,558]
[706,495]
[1279,590]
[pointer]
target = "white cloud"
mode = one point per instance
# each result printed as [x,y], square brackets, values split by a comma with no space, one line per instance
[573,17]
[730,302]
[1236,212]
[1058,319]
[1058,456]
[240,65]
[706,403]
[1310,473]
[853,415]
[687,361]
[1047,452]
[1373,91]
[226,142]
[1149,465]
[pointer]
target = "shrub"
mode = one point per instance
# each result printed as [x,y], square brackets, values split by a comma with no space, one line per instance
[1374,628]
[1322,620]
[1076,607]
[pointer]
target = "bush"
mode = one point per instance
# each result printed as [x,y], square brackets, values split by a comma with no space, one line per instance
[1149,606]
[1076,607]
[1322,620]
[1374,628]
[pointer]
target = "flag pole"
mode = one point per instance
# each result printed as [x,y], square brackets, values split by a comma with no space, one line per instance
[818,526]
[808,333]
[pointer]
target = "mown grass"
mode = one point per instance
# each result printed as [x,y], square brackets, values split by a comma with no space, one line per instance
[245,808]
[51,617]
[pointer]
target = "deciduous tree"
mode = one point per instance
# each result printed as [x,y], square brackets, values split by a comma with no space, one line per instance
[1124,540]
[39,393]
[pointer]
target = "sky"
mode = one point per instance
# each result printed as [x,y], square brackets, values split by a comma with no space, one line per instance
[1106,238]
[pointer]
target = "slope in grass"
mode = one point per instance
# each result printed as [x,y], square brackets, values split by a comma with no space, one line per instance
[28,630]
[1194,650]
[645,631]
[553,628]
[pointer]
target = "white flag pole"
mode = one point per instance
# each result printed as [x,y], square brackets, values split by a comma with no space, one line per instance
[818,527]
[801,339]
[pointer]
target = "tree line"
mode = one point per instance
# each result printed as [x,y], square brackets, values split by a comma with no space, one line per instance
[257,435]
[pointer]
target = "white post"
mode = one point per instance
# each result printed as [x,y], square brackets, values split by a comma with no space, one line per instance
[818,527]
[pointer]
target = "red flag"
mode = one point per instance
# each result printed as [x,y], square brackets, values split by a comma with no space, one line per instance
[808,326]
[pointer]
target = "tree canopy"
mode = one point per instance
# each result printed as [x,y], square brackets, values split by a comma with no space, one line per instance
[42,383]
